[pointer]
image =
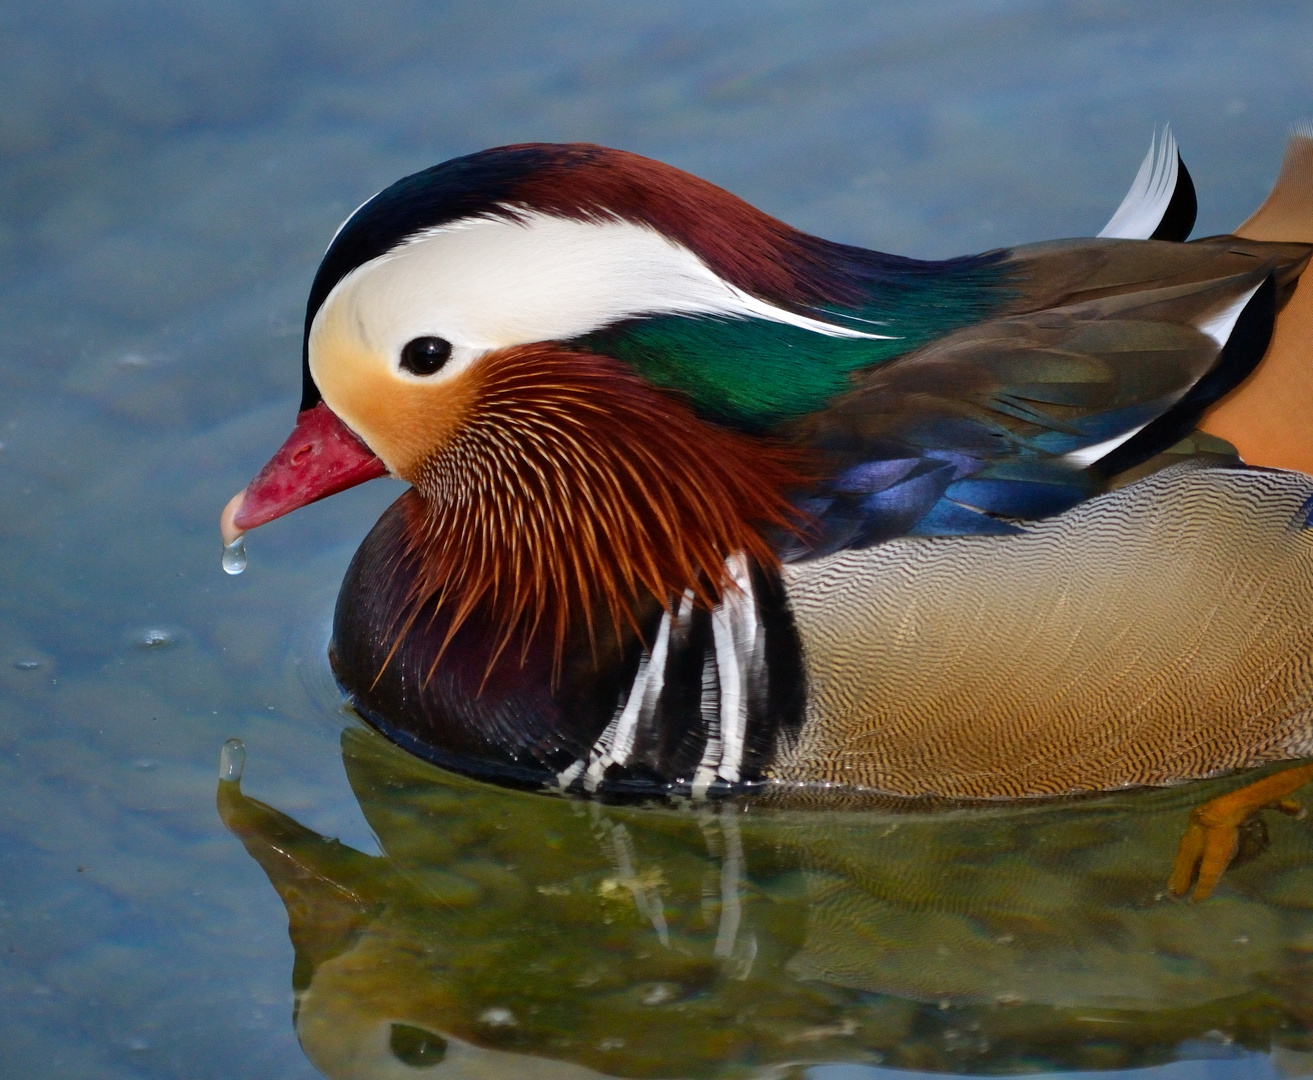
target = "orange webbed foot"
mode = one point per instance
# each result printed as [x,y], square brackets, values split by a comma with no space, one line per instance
[1212,838]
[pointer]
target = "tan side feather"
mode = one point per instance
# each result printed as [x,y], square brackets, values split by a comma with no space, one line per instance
[1269,417]
[1287,212]
[1160,633]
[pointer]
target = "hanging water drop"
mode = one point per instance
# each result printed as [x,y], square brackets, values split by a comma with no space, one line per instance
[232,760]
[234,556]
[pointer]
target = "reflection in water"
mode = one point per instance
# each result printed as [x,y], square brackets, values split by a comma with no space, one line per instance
[741,941]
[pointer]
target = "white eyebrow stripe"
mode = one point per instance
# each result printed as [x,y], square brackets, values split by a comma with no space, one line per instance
[493,282]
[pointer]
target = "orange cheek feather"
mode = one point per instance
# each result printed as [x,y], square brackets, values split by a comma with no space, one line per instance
[406,423]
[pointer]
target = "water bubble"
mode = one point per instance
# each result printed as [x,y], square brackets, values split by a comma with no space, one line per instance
[234,556]
[156,637]
[497,1017]
[27,665]
[658,993]
[232,760]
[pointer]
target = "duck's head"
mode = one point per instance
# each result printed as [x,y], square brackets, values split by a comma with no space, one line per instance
[544,340]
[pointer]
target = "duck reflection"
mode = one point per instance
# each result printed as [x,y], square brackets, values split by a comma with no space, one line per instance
[515,935]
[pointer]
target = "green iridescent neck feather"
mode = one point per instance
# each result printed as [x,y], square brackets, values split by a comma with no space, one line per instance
[755,374]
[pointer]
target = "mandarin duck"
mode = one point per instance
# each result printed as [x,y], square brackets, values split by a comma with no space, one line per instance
[704,505]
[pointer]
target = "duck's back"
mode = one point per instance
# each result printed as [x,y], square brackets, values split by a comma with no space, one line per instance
[1155,634]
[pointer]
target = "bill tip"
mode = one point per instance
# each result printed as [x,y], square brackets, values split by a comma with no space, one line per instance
[227,520]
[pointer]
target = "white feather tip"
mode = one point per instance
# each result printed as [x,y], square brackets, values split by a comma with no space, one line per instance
[1151,192]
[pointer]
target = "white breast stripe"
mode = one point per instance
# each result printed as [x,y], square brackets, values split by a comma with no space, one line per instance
[1141,212]
[734,626]
[710,707]
[727,670]
[731,696]
[734,630]
[567,776]
[685,613]
[616,743]
[602,750]
[643,698]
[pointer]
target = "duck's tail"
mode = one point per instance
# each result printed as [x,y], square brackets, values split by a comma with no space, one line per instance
[1269,416]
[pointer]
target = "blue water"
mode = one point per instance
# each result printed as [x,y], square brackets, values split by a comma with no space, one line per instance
[169,176]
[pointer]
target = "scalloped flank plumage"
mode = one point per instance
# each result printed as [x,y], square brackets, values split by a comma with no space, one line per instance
[704,505]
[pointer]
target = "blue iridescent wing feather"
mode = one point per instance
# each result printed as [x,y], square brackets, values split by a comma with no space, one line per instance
[1015,418]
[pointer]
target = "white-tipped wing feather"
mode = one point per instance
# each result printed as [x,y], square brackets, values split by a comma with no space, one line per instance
[1141,212]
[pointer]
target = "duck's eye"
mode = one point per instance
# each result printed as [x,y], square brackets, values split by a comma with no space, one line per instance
[425,355]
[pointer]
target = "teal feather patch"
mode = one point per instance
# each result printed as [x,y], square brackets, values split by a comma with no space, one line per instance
[742,371]
[756,373]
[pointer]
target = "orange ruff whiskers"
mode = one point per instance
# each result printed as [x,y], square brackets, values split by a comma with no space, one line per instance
[571,486]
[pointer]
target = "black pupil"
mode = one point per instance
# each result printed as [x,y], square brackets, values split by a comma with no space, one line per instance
[425,355]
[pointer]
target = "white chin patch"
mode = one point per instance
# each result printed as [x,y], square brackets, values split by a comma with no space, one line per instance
[491,283]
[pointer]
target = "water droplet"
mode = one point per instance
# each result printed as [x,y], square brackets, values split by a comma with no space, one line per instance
[27,665]
[234,556]
[156,637]
[658,993]
[497,1017]
[232,760]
